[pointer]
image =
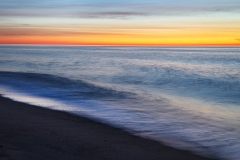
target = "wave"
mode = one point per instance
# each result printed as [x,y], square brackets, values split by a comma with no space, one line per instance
[55,86]
[180,81]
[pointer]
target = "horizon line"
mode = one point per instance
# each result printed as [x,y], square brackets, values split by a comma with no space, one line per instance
[133,45]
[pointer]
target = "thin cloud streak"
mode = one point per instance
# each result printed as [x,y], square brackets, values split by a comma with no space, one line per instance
[53,32]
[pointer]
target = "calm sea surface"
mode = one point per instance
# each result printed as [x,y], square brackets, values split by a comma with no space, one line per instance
[186,97]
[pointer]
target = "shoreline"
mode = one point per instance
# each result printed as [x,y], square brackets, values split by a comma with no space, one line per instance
[32,132]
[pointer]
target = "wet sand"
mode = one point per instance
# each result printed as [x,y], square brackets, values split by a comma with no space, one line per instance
[31,132]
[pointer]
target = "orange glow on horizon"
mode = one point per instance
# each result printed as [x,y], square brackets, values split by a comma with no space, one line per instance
[40,41]
[135,38]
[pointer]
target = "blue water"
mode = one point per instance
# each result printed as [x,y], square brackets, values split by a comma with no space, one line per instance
[186,97]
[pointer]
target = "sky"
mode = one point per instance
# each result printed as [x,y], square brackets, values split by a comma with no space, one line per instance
[125,22]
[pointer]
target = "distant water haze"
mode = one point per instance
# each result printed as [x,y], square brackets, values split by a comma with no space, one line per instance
[186,97]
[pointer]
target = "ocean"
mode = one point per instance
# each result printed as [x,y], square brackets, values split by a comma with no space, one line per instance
[185,97]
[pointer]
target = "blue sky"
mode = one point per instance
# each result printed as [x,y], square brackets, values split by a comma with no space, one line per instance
[51,8]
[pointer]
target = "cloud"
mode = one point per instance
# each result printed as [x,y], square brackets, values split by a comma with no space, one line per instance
[53,32]
[111,14]
[238,39]
[39,31]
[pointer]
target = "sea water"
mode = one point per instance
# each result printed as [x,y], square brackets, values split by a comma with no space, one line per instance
[185,97]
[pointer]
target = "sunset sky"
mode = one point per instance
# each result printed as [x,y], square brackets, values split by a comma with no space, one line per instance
[125,22]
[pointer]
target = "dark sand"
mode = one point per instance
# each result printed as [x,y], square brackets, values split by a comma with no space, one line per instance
[30,132]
